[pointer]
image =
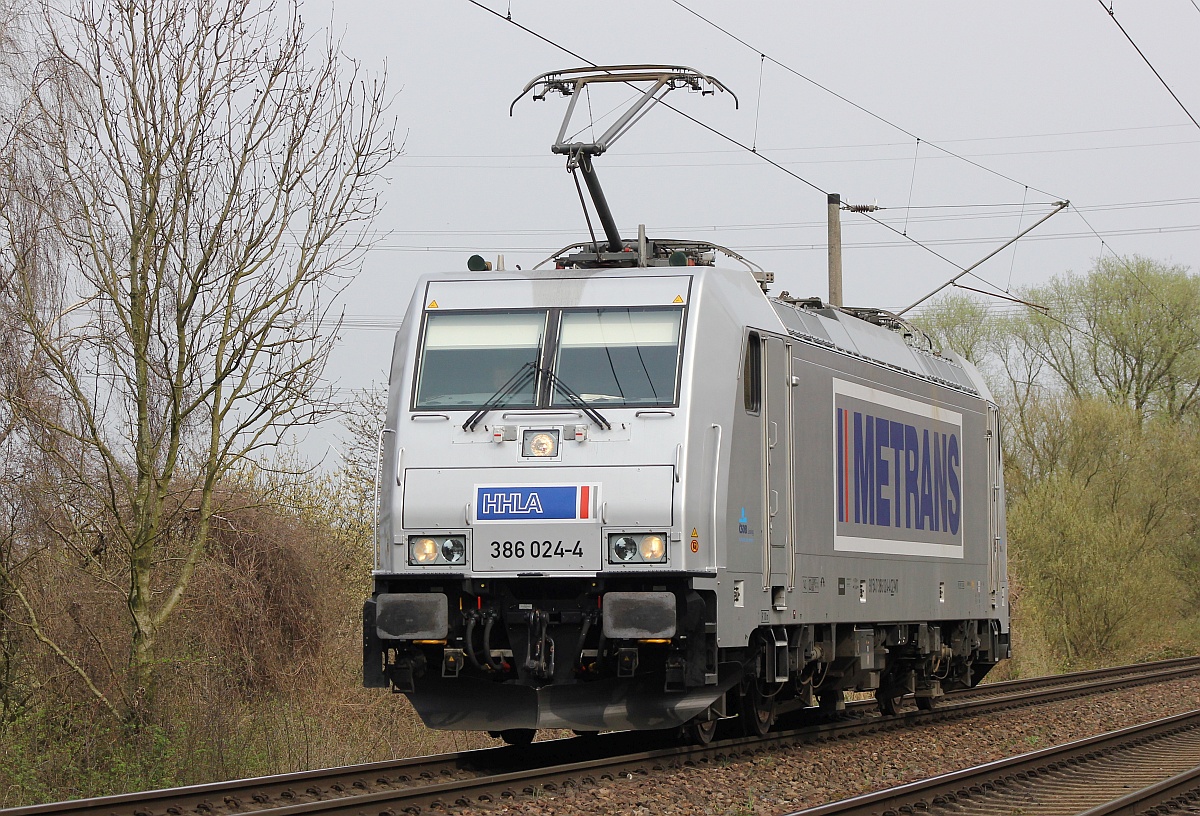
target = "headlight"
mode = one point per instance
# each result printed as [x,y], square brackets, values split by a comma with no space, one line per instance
[624,548]
[539,444]
[450,549]
[653,548]
[424,550]
[629,548]
[454,550]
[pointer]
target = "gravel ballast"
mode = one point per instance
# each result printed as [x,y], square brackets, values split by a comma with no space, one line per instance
[806,775]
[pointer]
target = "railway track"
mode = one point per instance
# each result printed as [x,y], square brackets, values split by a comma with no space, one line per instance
[416,784]
[1154,767]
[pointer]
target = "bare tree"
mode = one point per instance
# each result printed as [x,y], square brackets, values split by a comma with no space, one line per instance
[359,473]
[221,170]
[28,187]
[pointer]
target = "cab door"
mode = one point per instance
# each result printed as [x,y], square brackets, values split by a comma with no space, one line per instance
[748,513]
[779,470]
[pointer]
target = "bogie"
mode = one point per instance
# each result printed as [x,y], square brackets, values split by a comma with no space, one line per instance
[699,731]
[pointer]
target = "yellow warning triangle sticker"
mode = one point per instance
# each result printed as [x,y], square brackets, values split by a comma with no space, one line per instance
[432,305]
[693,532]
[678,299]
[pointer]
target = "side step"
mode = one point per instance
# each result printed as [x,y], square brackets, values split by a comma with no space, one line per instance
[777,656]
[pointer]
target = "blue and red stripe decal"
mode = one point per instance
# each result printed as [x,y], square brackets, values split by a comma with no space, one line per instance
[843,464]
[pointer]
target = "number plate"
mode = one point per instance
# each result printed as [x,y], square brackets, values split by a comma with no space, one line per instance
[518,554]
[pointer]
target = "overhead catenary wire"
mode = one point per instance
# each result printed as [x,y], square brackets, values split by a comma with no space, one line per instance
[963,270]
[1125,265]
[904,231]
[911,183]
[953,213]
[852,103]
[764,56]
[1112,14]
[1130,270]
[508,165]
[1062,205]
[715,132]
[814,246]
[1012,264]
[758,101]
[732,140]
[863,145]
[591,123]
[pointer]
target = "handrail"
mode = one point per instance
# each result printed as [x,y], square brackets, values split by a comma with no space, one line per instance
[716,470]
[790,419]
[379,486]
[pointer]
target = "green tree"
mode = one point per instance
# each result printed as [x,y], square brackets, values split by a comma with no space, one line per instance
[1128,332]
[1099,398]
[1087,537]
[960,323]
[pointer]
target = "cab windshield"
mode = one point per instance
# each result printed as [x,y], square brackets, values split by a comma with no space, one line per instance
[467,357]
[619,356]
[609,357]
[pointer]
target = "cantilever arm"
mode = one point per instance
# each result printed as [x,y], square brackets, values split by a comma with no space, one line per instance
[1058,207]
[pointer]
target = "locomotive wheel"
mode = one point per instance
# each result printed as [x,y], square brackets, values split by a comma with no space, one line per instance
[758,710]
[699,732]
[518,736]
[889,702]
[926,703]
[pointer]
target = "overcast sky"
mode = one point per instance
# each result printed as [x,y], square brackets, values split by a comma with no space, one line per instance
[1042,100]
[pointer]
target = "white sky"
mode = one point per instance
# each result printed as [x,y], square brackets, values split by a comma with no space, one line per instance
[1049,94]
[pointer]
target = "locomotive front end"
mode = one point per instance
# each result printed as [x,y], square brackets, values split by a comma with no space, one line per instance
[532,567]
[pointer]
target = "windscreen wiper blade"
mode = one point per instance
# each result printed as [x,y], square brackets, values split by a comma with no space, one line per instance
[516,382]
[576,400]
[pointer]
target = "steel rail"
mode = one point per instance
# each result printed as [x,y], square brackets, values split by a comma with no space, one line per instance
[1180,792]
[1088,776]
[420,781]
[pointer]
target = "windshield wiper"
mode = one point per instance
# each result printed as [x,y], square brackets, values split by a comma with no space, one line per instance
[516,382]
[576,400]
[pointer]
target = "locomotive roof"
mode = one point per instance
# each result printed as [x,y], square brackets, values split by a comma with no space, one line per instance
[880,337]
[869,334]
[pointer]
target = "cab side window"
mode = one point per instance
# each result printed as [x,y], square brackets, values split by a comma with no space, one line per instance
[752,374]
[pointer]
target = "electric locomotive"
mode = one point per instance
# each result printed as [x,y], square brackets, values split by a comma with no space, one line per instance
[635,491]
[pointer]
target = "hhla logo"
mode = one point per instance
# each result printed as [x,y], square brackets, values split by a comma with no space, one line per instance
[515,502]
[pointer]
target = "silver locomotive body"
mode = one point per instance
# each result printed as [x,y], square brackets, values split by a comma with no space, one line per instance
[650,497]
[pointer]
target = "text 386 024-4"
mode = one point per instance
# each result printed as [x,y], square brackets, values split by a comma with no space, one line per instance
[535,549]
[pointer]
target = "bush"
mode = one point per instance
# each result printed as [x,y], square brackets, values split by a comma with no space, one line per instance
[260,672]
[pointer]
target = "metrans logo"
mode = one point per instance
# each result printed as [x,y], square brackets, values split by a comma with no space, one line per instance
[899,474]
[535,502]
